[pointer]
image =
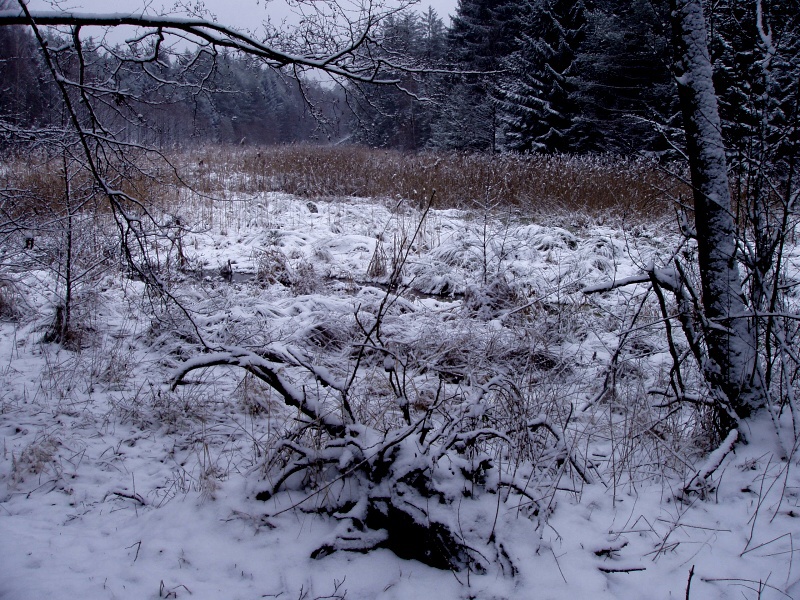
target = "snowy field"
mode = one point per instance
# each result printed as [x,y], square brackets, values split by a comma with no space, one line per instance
[116,484]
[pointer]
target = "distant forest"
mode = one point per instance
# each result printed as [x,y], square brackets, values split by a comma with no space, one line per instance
[550,76]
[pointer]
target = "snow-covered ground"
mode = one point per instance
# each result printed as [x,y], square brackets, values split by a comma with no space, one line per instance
[112,485]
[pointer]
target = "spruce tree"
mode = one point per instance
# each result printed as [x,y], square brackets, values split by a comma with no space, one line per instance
[537,95]
[400,116]
[755,49]
[482,34]
[624,85]
[23,98]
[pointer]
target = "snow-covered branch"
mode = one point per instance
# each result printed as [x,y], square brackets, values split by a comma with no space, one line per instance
[268,369]
[344,60]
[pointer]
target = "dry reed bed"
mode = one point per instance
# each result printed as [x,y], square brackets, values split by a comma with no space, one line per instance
[536,183]
[33,186]
[533,185]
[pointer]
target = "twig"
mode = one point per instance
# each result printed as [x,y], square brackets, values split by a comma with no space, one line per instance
[766,543]
[761,584]
[621,569]
[559,566]
[138,547]
[134,496]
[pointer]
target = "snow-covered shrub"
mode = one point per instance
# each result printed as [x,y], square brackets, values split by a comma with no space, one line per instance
[330,334]
[272,267]
[552,238]
[10,302]
[305,279]
[436,281]
[492,299]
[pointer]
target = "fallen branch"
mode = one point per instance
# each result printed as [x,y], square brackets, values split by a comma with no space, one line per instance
[135,497]
[621,569]
[712,463]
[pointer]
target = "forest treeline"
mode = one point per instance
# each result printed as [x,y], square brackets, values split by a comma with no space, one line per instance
[188,98]
[552,76]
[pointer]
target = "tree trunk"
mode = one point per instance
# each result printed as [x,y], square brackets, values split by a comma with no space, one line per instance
[733,366]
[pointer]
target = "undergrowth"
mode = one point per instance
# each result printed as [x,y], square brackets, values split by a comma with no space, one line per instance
[379,413]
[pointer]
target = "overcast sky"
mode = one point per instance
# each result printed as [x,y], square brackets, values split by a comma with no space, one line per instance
[246,14]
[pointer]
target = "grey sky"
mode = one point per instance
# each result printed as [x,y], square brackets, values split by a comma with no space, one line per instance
[245,14]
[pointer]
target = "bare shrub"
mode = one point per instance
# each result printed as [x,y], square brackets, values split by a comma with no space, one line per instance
[113,363]
[378,266]
[254,397]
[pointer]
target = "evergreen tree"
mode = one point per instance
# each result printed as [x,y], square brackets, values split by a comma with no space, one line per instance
[537,96]
[755,48]
[244,102]
[434,37]
[400,116]
[23,98]
[624,86]
[482,34]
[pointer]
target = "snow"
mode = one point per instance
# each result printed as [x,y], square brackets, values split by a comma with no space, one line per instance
[113,485]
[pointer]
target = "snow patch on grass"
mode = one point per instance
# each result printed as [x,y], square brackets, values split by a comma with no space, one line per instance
[113,485]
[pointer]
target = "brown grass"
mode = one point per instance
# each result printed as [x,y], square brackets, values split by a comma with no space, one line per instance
[34,185]
[533,185]
[536,184]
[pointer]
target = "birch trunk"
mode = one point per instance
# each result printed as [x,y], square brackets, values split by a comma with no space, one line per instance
[732,352]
